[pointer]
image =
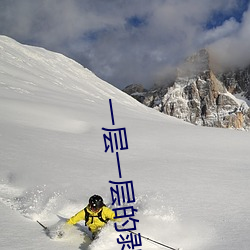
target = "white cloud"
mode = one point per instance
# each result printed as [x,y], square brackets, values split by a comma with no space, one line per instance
[97,32]
[233,50]
[228,28]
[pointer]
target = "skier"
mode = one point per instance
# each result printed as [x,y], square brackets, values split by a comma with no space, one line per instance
[95,214]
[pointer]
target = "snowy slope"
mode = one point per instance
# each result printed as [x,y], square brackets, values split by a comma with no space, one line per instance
[192,184]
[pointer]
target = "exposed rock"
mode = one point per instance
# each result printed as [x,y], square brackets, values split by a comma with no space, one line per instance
[201,97]
[133,88]
[137,91]
[237,81]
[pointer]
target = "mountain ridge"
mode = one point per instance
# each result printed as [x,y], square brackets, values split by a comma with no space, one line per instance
[201,95]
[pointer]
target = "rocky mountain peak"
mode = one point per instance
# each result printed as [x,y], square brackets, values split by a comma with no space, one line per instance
[200,96]
[196,64]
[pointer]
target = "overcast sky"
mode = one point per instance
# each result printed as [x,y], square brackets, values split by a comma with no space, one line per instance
[131,41]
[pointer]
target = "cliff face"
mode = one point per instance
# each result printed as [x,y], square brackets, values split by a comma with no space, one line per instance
[201,97]
[237,81]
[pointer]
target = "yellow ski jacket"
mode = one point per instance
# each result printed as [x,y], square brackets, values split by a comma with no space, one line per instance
[93,223]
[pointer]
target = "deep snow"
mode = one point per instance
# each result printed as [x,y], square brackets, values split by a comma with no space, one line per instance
[192,184]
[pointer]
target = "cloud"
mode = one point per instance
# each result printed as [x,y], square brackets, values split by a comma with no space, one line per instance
[228,28]
[233,49]
[123,42]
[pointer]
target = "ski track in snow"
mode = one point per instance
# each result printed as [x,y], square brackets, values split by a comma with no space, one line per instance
[32,204]
[156,220]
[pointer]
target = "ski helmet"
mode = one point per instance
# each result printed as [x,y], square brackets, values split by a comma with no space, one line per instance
[95,202]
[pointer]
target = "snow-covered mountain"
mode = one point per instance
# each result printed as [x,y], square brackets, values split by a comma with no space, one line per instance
[237,81]
[191,183]
[201,95]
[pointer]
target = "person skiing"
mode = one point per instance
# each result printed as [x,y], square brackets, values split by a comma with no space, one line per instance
[95,214]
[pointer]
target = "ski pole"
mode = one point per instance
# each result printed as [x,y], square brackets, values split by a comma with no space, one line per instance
[45,228]
[157,242]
